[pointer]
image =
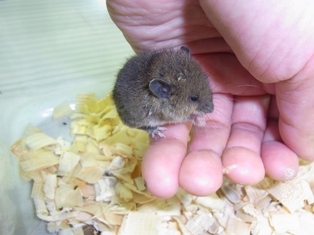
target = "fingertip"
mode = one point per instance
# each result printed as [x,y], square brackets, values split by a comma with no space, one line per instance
[280,162]
[201,173]
[163,190]
[243,166]
[160,167]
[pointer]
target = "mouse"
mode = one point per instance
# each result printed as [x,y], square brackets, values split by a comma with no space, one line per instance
[160,87]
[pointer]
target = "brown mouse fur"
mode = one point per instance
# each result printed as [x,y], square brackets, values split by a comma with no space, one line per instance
[160,87]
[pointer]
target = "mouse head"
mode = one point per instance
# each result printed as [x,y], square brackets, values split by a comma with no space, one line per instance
[180,84]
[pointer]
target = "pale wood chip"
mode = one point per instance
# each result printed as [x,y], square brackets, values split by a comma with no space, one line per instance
[236,226]
[140,224]
[292,194]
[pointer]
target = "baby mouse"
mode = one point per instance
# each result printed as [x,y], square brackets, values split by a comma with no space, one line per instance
[159,87]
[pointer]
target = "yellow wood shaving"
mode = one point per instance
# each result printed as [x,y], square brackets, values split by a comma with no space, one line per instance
[68,161]
[62,110]
[41,159]
[39,140]
[50,185]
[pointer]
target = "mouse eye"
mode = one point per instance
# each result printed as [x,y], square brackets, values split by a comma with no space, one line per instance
[193,98]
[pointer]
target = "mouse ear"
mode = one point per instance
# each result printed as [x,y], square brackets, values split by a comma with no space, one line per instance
[185,49]
[161,88]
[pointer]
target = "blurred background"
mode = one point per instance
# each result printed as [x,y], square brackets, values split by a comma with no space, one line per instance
[49,52]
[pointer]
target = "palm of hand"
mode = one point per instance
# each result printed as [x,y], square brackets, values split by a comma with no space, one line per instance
[243,137]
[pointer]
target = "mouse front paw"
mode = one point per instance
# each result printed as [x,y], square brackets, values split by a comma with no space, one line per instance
[155,131]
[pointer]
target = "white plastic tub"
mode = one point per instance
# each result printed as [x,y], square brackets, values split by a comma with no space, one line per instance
[50,51]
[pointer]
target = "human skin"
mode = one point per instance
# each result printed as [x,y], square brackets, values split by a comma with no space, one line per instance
[259,57]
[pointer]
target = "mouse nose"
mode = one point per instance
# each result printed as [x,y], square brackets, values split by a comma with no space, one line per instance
[208,107]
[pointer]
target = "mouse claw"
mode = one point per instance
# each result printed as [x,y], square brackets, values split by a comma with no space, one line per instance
[157,133]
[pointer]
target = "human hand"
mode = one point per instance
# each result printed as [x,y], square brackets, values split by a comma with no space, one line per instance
[259,56]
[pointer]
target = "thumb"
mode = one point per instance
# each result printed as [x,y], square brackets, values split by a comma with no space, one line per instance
[295,100]
[273,40]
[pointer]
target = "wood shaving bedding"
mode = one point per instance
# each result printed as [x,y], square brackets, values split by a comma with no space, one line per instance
[94,186]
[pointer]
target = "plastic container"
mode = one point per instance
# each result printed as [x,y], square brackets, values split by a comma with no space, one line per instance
[50,51]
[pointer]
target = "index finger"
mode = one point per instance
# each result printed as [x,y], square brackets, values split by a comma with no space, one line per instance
[163,158]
